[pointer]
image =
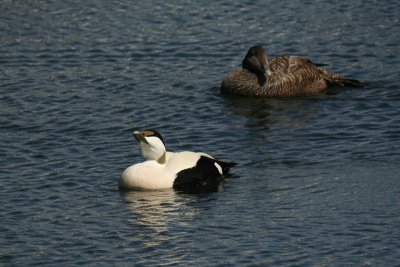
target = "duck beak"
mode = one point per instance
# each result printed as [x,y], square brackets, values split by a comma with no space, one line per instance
[265,66]
[140,137]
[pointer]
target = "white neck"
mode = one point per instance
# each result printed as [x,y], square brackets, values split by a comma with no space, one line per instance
[154,150]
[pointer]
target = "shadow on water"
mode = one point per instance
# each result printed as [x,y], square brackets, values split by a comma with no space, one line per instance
[262,113]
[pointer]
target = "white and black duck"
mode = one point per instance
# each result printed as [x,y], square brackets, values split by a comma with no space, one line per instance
[164,169]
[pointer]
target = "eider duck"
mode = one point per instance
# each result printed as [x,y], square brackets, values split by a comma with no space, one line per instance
[282,76]
[162,169]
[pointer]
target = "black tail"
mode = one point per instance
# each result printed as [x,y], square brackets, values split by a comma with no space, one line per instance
[350,82]
[226,166]
[345,82]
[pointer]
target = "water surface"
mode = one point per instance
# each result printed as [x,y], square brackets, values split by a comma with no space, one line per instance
[318,177]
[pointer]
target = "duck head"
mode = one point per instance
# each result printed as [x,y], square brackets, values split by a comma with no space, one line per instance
[256,61]
[151,144]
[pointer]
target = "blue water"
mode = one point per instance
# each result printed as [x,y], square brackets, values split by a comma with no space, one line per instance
[318,180]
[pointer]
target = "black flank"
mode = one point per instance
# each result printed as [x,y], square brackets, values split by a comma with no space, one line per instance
[204,174]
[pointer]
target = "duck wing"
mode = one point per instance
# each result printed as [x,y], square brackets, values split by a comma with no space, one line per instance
[314,70]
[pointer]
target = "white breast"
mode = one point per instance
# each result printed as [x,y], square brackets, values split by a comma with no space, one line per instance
[147,175]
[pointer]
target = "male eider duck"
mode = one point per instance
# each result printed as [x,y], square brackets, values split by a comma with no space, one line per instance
[280,77]
[162,169]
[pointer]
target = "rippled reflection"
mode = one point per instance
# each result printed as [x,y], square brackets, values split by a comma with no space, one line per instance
[154,208]
[159,210]
[262,114]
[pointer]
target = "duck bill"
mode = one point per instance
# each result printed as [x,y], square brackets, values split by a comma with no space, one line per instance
[140,137]
[265,66]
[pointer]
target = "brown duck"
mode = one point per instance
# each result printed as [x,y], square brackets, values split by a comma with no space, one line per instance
[280,77]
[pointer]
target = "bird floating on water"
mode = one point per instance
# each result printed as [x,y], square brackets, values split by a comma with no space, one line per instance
[165,169]
[282,76]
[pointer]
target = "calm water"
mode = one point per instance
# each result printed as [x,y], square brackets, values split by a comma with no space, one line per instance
[318,180]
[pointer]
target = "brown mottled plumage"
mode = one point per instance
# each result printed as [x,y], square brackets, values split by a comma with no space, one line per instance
[282,76]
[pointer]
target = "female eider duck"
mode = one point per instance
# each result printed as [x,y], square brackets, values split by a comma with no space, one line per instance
[162,169]
[280,77]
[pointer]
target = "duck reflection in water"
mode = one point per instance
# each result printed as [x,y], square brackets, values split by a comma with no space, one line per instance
[264,113]
[160,210]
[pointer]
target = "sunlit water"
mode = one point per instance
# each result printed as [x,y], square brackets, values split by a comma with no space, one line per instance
[318,180]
